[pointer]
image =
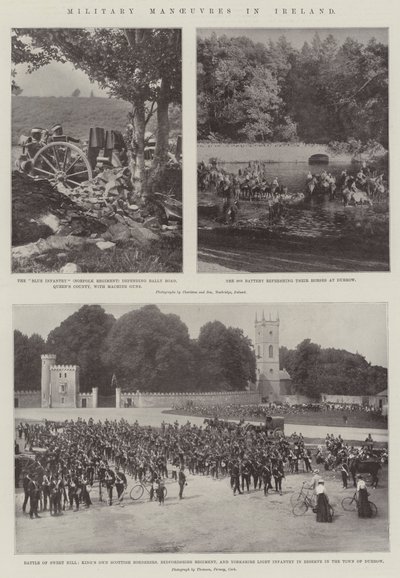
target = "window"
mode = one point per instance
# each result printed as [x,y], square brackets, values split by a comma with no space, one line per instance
[258,351]
[271,351]
[65,375]
[271,370]
[63,400]
[60,374]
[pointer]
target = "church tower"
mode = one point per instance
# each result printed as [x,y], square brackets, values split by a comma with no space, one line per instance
[267,355]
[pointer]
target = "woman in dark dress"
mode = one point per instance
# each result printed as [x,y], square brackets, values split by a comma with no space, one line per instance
[364,509]
[323,507]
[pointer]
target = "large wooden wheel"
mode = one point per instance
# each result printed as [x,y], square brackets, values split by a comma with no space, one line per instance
[62,162]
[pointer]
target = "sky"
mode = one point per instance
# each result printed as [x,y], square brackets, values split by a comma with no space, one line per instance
[56,79]
[356,327]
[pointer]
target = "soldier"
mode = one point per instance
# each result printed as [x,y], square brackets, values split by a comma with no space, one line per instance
[34,495]
[120,484]
[46,490]
[109,479]
[182,482]
[235,478]
[277,472]
[25,484]
[266,477]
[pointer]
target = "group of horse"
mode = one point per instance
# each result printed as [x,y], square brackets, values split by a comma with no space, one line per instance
[364,188]
[251,184]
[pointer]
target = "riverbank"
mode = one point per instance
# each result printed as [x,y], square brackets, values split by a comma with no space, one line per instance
[265,152]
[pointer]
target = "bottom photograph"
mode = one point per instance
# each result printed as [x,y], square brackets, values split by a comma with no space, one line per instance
[201,428]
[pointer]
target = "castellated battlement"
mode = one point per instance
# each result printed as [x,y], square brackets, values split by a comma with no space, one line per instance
[48,356]
[64,368]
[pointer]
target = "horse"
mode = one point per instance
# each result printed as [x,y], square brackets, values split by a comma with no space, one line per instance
[357,466]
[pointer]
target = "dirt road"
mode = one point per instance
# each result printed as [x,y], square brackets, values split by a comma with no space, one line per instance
[208,519]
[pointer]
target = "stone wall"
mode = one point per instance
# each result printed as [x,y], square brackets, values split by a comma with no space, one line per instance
[356,399]
[296,399]
[27,398]
[182,399]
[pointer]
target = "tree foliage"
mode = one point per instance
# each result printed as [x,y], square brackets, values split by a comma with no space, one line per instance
[323,92]
[150,351]
[79,340]
[226,358]
[27,361]
[140,66]
[315,370]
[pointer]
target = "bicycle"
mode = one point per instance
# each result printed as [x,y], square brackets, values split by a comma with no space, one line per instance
[350,504]
[138,490]
[299,496]
[302,507]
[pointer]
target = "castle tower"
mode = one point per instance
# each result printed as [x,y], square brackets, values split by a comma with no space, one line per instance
[48,361]
[267,355]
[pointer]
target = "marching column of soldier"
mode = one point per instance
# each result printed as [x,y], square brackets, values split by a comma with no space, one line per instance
[72,459]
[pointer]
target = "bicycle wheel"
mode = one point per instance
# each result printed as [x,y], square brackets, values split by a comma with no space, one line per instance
[165,492]
[296,497]
[374,509]
[300,509]
[349,504]
[136,492]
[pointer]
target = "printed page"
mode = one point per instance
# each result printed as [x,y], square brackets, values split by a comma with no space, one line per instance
[199,288]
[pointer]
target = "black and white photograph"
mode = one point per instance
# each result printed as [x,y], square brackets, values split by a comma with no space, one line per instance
[292,150]
[213,428]
[96,150]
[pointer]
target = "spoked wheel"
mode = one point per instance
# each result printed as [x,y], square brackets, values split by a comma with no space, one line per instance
[165,492]
[300,509]
[136,492]
[349,504]
[295,497]
[374,509]
[62,162]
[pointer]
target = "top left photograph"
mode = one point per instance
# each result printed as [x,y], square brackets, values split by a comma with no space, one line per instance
[96,151]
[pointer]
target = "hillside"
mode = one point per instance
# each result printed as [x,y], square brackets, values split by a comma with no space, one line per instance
[75,114]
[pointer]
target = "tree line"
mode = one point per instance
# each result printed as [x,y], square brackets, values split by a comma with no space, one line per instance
[315,370]
[325,92]
[144,349]
[149,350]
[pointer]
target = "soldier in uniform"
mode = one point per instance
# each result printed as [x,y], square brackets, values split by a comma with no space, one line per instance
[235,477]
[34,495]
[182,482]
[120,484]
[109,479]
[25,484]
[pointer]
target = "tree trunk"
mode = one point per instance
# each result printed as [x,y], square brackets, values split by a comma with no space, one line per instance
[162,137]
[139,170]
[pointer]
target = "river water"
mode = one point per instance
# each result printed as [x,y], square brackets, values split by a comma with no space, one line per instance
[154,416]
[318,235]
[292,175]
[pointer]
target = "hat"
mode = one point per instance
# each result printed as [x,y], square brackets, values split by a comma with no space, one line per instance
[315,471]
[321,481]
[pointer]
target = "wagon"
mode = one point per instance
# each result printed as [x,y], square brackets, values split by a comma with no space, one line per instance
[61,159]
[275,425]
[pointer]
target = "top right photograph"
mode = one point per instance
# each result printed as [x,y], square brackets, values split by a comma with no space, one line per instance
[293,150]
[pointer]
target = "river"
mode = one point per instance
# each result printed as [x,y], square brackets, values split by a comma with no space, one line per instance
[321,235]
